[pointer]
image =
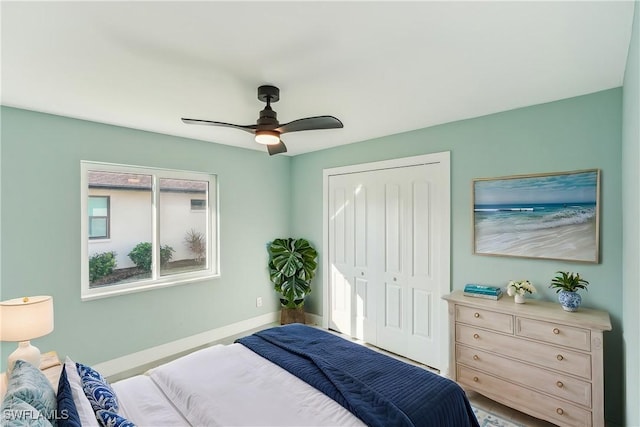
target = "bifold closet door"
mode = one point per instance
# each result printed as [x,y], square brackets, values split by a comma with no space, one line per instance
[352,241]
[383,240]
[408,301]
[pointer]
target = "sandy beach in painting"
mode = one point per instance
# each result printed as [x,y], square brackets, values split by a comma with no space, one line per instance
[567,233]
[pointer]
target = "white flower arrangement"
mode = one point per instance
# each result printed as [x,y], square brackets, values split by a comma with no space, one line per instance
[520,287]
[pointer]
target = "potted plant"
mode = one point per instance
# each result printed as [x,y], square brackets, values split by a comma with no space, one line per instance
[292,266]
[519,288]
[567,285]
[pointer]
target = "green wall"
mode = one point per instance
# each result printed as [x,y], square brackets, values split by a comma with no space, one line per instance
[41,234]
[631,222]
[572,134]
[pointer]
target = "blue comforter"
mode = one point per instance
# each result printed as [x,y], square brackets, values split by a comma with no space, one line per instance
[376,388]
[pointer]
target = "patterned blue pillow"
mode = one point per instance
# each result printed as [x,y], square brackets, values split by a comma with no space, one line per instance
[97,389]
[111,419]
[29,384]
[16,412]
[67,412]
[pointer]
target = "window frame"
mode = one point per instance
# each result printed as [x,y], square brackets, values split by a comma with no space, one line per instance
[212,269]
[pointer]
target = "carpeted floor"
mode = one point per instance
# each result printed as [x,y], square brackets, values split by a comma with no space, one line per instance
[486,418]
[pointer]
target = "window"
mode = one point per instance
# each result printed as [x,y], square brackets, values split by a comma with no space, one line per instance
[139,229]
[198,204]
[98,217]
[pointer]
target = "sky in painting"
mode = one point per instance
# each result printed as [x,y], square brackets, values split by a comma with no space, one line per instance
[563,188]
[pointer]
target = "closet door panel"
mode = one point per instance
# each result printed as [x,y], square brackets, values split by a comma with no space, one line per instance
[384,229]
[361,240]
[421,323]
[423,277]
[420,236]
[341,271]
[392,228]
[351,241]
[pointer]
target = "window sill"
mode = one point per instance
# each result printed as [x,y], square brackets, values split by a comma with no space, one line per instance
[116,290]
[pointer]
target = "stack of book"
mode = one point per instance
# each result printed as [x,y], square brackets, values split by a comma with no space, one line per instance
[483,291]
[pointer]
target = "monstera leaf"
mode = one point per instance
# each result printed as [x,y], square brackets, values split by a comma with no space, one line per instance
[292,266]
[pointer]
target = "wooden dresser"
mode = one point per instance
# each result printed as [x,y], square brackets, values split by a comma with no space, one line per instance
[534,357]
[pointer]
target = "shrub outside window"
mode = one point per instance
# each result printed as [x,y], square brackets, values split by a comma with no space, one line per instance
[139,230]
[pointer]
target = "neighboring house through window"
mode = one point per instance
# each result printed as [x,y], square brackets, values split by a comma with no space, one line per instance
[145,227]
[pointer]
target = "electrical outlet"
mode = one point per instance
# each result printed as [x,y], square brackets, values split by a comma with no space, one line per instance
[259,302]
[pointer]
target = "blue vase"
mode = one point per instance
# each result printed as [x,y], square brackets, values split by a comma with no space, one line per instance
[570,301]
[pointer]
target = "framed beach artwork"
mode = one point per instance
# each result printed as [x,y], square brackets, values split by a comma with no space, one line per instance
[547,216]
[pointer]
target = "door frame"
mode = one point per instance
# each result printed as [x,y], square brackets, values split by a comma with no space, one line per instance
[444,158]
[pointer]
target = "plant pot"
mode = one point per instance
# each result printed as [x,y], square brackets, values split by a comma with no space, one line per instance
[570,301]
[519,299]
[291,315]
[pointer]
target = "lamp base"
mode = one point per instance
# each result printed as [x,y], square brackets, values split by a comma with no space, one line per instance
[26,352]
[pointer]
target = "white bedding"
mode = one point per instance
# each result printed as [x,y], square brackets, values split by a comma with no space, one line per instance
[142,402]
[227,386]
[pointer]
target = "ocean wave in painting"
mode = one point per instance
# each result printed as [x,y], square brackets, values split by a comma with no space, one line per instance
[520,218]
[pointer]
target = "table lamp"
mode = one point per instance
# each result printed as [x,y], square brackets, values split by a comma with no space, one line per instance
[23,319]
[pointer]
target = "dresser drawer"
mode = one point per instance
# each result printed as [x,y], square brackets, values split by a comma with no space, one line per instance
[562,386]
[554,333]
[485,319]
[548,356]
[538,404]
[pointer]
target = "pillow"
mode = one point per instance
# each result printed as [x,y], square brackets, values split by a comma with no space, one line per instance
[16,412]
[67,412]
[85,411]
[97,389]
[28,383]
[111,419]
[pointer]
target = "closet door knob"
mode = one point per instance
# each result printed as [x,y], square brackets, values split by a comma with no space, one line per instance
[476,379]
[476,336]
[559,384]
[559,411]
[559,357]
[475,357]
[476,315]
[556,331]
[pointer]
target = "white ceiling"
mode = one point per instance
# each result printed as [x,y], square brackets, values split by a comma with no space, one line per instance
[380,67]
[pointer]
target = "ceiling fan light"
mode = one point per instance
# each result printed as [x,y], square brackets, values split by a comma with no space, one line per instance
[267,137]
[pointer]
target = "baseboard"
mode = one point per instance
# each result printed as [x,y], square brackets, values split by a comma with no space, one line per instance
[139,362]
[313,319]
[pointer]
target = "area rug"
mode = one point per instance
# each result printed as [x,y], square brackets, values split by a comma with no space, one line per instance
[486,418]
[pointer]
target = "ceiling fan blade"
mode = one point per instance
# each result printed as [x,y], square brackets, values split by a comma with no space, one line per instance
[277,148]
[246,128]
[311,123]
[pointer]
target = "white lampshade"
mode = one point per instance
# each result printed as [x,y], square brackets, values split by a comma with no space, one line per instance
[23,319]
[267,137]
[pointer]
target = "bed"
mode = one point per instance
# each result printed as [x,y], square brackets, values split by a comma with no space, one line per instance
[292,375]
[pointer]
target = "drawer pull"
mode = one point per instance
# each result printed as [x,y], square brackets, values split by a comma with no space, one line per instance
[476,357]
[556,331]
[362,273]
[476,315]
[476,336]
[476,379]
[559,411]
[559,384]
[560,357]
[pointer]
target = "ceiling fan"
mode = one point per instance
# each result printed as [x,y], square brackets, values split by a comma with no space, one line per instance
[267,129]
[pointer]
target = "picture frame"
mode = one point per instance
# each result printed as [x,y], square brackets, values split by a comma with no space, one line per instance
[545,216]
